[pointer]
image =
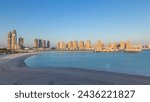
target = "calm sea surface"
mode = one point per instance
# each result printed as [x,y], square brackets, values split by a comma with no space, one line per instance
[130,63]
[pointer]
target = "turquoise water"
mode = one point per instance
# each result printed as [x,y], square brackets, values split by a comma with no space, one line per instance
[130,63]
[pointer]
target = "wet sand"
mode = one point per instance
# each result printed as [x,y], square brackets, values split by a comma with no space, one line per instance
[13,71]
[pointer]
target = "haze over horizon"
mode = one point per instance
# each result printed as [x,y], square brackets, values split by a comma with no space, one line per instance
[65,20]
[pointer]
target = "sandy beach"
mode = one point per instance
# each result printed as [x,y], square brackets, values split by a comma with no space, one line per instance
[13,71]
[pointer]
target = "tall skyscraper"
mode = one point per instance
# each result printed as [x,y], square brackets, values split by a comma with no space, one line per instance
[40,43]
[58,45]
[36,43]
[48,44]
[70,45]
[21,41]
[128,45]
[9,41]
[99,44]
[62,45]
[75,45]
[44,44]
[88,44]
[122,45]
[14,40]
[81,45]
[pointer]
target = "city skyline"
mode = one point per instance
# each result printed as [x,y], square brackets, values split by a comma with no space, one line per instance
[57,20]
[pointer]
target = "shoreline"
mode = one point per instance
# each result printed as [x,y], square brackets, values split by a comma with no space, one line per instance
[14,71]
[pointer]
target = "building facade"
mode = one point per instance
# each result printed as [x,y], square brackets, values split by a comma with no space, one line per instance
[36,43]
[81,45]
[88,44]
[20,43]
[9,41]
[128,45]
[40,43]
[44,44]
[58,45]
[48,44]
[12,40]
[99,44]
[75,45]
[70,45]
[122,45]
[62,45]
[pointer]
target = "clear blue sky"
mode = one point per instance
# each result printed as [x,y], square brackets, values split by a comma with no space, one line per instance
[54,20]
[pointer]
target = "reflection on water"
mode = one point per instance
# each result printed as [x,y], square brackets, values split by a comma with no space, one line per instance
[132,63]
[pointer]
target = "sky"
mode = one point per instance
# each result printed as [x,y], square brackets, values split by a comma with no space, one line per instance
[65,20]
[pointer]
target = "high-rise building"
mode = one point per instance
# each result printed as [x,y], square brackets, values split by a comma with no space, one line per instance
[36,43]
[58,45]
[148,46]
[70,45]
[48,44]
[20,43]
[128,45]
[99,44]
[44,44]
[122,45]
[9,40]
[14,40]
[81,45]
[75,45]
[40,43]
[62,45]
[88,44]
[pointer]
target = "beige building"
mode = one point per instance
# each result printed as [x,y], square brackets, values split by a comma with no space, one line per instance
[128,45]
[75,45]
[122,45]
[112,46]
[58,45]
[70,45]
[12,40]
[36,43]
[99,44]
[149,46]
[9,40]
[88,44]
[137,46]
[81,45]
[62,45]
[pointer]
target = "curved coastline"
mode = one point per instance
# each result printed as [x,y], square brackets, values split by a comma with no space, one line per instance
[14,71]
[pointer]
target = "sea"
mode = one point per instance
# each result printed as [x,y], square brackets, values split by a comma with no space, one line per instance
[119,62]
